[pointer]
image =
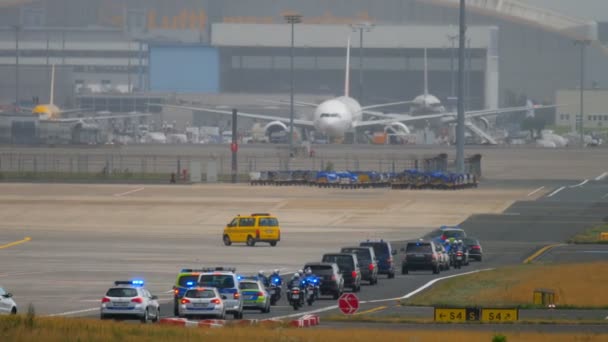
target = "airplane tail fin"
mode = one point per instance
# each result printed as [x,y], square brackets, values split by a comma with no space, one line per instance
[530,112]
[52,95]
[426,75]
[347,73]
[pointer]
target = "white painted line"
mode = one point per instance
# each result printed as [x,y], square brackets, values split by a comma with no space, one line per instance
[430,283]
[423,287]
[535,191]
[580,184]
[556,191]
[602,176]
[128,192]
[68,313]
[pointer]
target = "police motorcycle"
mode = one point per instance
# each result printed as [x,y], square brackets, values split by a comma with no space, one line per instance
[312,284]
[296,292]
[275,287]
[458,252]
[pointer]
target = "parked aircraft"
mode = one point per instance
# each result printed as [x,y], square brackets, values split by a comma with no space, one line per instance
[51,112]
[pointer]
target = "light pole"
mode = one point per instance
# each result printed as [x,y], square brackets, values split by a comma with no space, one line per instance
[583,44]
[361,27]
[452,38]
[292,19]
[460,118]
[17,29]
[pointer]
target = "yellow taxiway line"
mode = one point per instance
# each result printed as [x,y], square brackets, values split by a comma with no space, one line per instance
[540,252]
[15,243]
[372,310]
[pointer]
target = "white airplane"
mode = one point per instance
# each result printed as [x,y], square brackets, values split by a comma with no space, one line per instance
[337,116]
[51,112]
[333,117]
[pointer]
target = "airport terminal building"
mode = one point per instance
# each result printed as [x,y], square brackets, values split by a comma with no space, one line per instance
[234,46]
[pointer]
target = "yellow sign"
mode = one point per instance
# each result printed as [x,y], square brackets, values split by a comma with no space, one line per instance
[604,236]
[450,315]
[499,315]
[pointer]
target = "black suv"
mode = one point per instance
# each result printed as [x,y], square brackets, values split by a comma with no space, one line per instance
[367,258]
[384,253]
[349,268]
[332,282]
[421,255]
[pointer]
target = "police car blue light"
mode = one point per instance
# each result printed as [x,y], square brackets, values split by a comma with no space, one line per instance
[137,282]
[189,283]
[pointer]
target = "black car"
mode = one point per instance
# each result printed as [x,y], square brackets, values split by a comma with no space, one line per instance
[367,260]
[474,248]
[348,265]
[421,255]
[332,282]
[384,253]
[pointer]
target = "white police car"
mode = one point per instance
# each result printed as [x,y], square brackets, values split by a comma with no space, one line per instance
[7,304]
[128,299]
[226,282]
[201,301]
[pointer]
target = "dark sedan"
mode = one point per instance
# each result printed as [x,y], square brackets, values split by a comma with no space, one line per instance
[474,247]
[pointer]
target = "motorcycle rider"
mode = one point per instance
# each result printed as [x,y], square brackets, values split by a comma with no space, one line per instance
[295,281]
[313,279]
[276,275]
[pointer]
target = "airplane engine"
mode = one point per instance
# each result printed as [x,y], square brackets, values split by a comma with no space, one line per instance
[397,128]
[274,127]
[483,123]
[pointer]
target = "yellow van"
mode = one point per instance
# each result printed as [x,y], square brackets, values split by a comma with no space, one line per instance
[257,227]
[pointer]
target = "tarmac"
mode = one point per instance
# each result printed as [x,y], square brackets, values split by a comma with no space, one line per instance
[83,237]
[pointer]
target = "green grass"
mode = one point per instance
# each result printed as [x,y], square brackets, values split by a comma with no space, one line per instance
[47,329]
[514,286]
[591,235]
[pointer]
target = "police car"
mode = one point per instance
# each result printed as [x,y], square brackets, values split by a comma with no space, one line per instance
[7,304]
[226,281]
[201,301]
[186,279]
[254,294]
[128,299]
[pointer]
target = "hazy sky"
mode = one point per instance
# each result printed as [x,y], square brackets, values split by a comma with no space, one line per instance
[585,9]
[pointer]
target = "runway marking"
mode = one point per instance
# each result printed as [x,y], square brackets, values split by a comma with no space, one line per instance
[602,176]
[556,191]
[540,252]
[580,184]
[423,287]
[15,243]
[68,313]
[129,192]
[535,191]
[379,308]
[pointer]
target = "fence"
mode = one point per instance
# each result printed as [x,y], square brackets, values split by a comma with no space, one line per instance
[161,166]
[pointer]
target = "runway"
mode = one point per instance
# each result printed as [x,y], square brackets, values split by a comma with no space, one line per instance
[83,237]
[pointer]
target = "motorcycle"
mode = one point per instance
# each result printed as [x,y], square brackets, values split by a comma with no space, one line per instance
[458,259]
[275,290]
[295,297]
[312,286]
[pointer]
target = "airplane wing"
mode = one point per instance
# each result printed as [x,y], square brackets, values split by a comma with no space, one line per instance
[401,118]
[486,112]
[101,117]
[387,104]
[298,122]
[296,103]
